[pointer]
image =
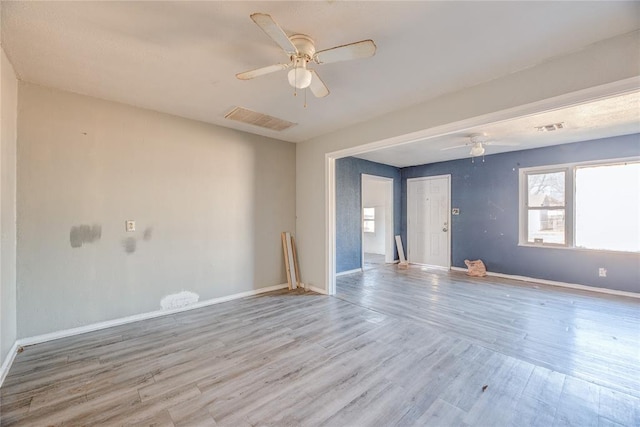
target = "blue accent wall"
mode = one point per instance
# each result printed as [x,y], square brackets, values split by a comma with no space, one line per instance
[487,228]
[349,205]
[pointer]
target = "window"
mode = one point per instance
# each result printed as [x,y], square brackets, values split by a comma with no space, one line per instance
[590,206]
[369,220]
[608,207]
[545,207]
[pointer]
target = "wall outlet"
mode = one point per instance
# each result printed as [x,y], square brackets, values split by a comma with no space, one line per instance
[130,225]
[602,272]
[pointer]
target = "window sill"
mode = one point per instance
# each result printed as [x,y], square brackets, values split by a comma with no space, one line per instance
[573,248]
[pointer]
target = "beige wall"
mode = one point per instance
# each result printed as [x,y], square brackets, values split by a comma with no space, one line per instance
[209,205]
[600,64]
[8,113]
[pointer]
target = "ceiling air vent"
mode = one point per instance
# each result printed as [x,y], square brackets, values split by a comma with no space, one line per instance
[551,127]
[258,119]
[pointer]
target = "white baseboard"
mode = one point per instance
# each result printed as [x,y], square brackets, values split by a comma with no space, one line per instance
[315,289]
[434,267]
[344,273]
[143,316]
[6,365]
[560,284]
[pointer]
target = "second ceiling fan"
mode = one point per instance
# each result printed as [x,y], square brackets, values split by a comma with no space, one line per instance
[477,143]
[301,51]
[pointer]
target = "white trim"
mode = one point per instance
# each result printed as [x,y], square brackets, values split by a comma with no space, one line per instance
[432,267]
[316,289]
[344,273]
[559,284]
[6,365]
[330,225]
[143,316]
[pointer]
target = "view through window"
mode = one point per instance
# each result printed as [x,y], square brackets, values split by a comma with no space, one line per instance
[590,206]
[369,220]
[608,207]
[546,207]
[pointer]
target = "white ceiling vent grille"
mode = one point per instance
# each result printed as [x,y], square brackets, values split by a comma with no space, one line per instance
[551,127]
[258,119]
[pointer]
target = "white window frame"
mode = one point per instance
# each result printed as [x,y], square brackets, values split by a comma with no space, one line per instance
[369,219]
[569,201]
[524,207]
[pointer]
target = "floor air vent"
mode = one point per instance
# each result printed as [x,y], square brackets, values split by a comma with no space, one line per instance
[258,119]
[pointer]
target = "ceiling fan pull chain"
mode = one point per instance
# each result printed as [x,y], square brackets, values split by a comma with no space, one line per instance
[305,98]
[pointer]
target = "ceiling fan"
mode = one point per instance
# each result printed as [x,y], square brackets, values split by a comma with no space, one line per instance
[477,142]
[301,51]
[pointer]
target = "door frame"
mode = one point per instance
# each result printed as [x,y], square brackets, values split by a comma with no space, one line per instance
[388,217]
[448,216]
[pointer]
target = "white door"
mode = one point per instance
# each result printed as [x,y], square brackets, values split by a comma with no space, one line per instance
[428,221]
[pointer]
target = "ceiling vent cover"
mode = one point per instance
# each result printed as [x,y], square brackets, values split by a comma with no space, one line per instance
[258,119]
[551,127]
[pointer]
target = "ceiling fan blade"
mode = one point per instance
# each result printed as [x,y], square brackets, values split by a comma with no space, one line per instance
[455,147]
[317,86]
[357,50]
[273,30]
[505,144]
[262,71]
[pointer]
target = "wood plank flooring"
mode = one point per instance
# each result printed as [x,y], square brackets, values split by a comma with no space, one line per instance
[394,347]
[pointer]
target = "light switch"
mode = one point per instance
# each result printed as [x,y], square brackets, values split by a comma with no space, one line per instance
[130,225]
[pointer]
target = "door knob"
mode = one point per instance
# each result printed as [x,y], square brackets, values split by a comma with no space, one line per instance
[445,229]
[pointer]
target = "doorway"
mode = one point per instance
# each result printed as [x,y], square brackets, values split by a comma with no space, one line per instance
[428,221]
[377,221]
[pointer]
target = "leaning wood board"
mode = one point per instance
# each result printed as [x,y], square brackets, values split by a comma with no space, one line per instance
[403,261]
[295,261]
[290,260]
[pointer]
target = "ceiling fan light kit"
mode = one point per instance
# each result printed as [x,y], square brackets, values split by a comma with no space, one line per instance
[301,51]
[299,77]
[477,149]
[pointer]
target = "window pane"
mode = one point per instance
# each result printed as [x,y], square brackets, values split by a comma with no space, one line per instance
[608,207]
[369,213]
[545,189]
[369,226]
[546,224]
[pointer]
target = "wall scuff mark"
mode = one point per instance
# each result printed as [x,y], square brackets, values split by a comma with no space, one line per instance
[181,299]
[82,234]
[148,232]
[129,245]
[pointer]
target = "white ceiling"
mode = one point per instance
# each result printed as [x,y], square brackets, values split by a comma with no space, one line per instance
[619,115]
[181,57]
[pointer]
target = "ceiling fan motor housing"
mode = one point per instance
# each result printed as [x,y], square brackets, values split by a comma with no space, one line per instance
[305,46]
[478,138]
[299,77]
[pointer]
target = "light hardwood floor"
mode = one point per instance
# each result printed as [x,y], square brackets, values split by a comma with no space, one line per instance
[394,347]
